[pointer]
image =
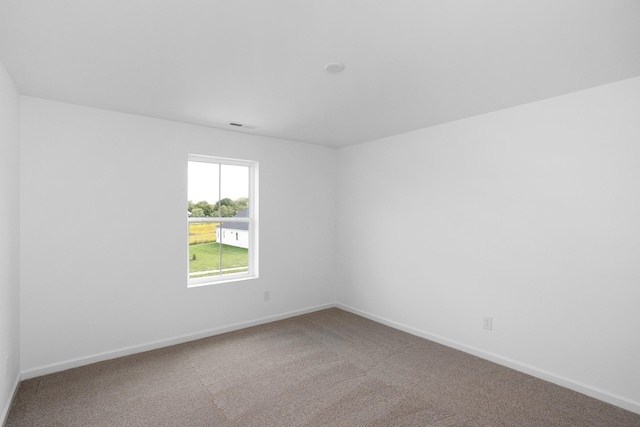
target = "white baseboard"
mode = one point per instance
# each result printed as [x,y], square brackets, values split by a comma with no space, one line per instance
[594,392]
[518,366]
[81,361]
[12,396]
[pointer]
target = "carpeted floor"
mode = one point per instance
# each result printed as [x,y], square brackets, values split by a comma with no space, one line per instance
[326,368]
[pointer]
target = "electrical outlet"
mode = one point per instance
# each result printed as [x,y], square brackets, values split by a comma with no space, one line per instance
[487,323]
[267,295]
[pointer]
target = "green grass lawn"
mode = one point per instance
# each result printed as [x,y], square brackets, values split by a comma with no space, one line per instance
[208,257]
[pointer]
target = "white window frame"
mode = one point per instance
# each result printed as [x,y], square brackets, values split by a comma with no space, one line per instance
[252,220]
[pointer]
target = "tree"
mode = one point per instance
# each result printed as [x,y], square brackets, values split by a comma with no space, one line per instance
[226,211]
[197,213]
[242,203]
[223,208]
[207,209]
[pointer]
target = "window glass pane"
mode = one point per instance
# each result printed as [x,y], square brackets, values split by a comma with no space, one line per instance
[235,252]
[203,189]
[234,191]
[204,250]
[216,249]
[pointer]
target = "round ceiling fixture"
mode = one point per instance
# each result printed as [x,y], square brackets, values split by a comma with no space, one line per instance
[334,67]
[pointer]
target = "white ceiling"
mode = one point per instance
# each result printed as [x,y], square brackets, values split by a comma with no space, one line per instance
[409,63]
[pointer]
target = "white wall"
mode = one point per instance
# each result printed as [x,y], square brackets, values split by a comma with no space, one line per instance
[103,254]
[530,215]
[9,240]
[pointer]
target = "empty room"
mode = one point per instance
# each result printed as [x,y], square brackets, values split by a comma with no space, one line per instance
[306,213]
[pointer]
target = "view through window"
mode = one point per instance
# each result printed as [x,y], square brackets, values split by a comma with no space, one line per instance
[221,216]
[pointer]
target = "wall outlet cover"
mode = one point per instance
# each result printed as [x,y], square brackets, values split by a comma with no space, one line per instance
[487,323]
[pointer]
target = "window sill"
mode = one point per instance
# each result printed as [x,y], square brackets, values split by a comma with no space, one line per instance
[208,281]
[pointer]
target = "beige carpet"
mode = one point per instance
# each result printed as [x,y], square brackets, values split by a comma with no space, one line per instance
[326,368]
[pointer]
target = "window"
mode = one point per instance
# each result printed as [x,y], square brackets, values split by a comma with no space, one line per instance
[222,196]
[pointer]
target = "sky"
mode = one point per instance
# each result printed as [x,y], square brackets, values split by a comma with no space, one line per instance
[203,182]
